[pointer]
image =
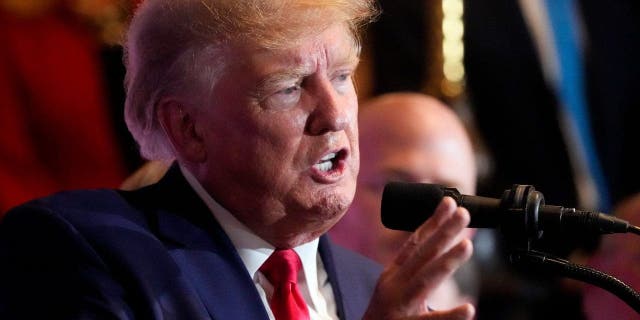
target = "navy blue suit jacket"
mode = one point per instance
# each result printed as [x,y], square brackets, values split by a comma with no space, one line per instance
[154,253]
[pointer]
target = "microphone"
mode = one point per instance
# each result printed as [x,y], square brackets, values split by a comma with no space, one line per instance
[521,210]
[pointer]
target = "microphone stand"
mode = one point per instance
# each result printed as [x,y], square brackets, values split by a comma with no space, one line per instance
[524,202]
[550,264]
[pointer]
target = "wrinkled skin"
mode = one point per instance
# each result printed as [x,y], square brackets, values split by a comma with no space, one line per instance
[256,145]
[257,148]
[432,253]
[404,137]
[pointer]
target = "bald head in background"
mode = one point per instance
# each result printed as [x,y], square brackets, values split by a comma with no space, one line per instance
[406,137]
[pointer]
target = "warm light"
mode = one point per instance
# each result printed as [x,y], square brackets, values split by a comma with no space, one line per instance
[452,8]
[453,50]
[453,71]
[452,47]
[451,89]
[452,28]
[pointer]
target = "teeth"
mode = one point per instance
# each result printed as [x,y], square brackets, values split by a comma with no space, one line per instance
[328,157]
[324,166]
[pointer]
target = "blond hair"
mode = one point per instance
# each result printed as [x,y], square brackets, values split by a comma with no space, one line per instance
[174,48]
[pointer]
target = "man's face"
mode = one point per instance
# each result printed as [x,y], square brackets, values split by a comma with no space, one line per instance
[281,136]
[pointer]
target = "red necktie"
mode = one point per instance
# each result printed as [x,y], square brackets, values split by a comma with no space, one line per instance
[282,271]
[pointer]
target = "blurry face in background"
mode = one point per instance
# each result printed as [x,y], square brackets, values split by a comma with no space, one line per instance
[410,144]
[281,137]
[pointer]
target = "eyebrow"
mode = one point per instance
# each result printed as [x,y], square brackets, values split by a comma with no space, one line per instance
[350,60]
[271,81]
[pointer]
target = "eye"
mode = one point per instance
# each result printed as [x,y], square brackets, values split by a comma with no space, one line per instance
[289,91]
[342,82]
[343,77]
[284,98]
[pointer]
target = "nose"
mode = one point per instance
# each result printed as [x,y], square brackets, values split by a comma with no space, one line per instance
[332,110]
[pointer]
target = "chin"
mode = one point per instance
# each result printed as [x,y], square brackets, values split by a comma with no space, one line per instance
[321,205]
[326,209]
[333,206]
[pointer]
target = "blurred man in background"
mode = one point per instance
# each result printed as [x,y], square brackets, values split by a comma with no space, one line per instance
[407,137]
[254,100]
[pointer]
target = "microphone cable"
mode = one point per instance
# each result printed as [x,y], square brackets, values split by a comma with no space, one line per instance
[529,258]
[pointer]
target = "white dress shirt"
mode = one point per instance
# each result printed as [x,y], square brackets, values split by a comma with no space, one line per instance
[313,282]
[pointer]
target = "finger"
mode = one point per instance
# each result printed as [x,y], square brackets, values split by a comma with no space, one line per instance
[439,242]
[425,280]
[447,234]
[444,211]
[441,214]
[463,312]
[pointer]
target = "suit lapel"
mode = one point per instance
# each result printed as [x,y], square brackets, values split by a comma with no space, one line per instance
[353,278]
[324,247]
[204,252]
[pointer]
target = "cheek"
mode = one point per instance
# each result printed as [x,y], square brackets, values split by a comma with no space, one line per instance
[276,137]
[355,133]
[352,115]
[354,140]
[281,126]
[283,138]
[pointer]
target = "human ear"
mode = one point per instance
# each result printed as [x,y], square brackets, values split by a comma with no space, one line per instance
[180,127]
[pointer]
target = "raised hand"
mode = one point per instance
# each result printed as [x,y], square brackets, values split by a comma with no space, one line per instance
[432,253]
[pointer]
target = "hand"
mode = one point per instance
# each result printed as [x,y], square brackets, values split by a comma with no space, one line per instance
[432,253]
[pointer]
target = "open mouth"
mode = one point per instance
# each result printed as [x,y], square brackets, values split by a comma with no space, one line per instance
[331,161]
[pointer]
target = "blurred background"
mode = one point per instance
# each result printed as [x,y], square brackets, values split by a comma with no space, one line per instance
[548,89]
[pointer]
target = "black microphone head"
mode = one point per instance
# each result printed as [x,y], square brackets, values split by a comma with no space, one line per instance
[405,206]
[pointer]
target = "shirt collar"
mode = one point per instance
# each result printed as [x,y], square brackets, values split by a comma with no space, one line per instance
[252,249]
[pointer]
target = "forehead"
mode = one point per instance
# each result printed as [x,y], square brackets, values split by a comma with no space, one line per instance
[444,159]
[333,46]
[447,151]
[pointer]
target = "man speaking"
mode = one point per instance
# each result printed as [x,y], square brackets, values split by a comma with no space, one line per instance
[255,104]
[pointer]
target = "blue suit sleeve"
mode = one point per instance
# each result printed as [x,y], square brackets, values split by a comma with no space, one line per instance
[48,270]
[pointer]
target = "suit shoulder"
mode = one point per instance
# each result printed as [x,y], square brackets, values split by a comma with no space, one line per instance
[80,208]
